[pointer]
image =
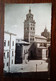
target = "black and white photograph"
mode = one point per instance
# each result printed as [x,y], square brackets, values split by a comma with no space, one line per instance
[27,39]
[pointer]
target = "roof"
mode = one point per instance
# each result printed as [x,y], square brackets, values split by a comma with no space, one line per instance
[22,42]
[9,33]
[39,36]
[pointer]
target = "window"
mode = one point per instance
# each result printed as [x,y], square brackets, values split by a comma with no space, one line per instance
[4,42]
[7,54]
[7,63]
[32,38]
[13,43]
[31,28]
[12,61]
[4,54]
[45,45]
[27,28]
[8,43]
[12,53]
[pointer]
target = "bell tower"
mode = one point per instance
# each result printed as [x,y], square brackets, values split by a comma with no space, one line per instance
[29,28]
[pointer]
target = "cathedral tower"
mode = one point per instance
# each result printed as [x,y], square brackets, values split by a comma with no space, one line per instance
[29,28]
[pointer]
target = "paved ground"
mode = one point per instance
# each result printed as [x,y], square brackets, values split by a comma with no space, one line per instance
[31,66]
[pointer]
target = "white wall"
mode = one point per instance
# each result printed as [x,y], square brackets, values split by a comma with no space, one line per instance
[10,48]
[6,49]
[13,38]
[40,40]
[44,53]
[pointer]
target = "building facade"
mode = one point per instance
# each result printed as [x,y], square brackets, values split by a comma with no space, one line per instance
[9,50]
[29,28]
[41,48]
[21,52]
[38,49]
[40,40]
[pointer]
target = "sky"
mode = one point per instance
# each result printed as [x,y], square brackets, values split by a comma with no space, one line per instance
[15,14]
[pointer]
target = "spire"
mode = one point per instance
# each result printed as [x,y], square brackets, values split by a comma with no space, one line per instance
[30,10]
[45,29]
